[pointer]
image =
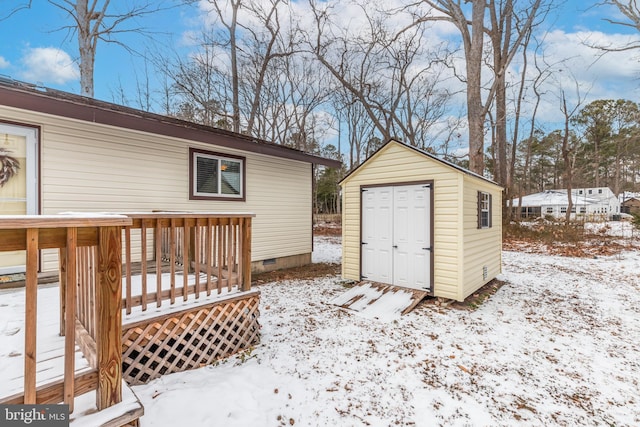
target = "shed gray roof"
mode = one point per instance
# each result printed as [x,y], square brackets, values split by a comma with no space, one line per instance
[426,154]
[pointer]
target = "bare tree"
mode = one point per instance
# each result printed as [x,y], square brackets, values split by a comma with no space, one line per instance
[509,31]
[387,71]
[231,25]
[472,34]
[506,28]
[250,56]
[630,9]
[247,36]
[289,109]
[272,42]
[99,21]
[569,141]
[259,83]
[18,6]
[540,77]
[353,116]
[199,87]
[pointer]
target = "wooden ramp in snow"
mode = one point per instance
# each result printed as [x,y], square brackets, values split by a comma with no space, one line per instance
[378,300]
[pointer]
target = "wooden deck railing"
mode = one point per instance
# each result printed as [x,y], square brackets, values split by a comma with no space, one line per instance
[77,239]
[177,254]
[107,266]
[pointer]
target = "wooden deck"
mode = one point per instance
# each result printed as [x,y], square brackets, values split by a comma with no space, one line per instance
[126,412]
[50,363]
[155,342]
[50,345]
[69,344]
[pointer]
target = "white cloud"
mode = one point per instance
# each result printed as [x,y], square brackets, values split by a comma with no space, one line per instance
[48,65]
[585,73]
[4,63]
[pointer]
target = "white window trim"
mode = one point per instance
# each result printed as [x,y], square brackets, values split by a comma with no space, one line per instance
[218,157]
[484,197]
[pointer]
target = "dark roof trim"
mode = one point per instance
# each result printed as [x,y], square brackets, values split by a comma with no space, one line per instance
[64,104]
[424,153]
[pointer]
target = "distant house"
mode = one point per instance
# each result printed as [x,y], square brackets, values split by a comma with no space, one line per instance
[630,206]
[589,203]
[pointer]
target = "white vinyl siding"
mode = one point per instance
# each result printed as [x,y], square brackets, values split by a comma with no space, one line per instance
[89,167]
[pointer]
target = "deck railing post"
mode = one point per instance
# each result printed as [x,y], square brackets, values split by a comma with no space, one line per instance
[109,317]
[62,277]
[246,254]
[70,315]
[31,317]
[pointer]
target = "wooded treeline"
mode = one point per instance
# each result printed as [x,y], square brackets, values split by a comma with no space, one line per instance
[339,78]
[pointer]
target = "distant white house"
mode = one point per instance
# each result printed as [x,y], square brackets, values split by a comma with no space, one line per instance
[589,203]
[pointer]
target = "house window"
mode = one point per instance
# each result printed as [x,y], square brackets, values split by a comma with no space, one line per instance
[583,209]
[563,209]
[215,176]
[549,209]
[579,191]
[573,209]
[590,191]
[484,210]
[599,190]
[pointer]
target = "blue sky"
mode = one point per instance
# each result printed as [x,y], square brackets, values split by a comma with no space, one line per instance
[32,50]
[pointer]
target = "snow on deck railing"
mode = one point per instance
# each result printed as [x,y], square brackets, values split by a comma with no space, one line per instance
[182,254]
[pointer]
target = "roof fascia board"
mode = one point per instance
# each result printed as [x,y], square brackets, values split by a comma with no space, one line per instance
[85,109]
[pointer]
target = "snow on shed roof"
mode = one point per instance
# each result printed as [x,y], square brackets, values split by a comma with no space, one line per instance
[552,197]
[424,153]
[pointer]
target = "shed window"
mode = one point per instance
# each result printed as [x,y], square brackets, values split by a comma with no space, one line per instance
[484,210]
[216,176]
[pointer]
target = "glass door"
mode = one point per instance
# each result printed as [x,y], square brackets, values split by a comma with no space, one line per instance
[18,183]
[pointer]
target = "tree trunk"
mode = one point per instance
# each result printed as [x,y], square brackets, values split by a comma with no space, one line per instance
[235,85]
[475,109]
[566,156]
[86,47]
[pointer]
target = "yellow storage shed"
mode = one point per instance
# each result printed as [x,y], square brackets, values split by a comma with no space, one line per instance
[413,220]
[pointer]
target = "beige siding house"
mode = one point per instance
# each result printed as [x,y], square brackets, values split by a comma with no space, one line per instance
[413,220]
[82,155]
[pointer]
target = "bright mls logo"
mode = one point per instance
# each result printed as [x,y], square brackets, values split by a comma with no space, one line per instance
[34,415]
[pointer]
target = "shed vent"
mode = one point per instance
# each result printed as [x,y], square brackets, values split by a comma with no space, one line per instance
[485,272]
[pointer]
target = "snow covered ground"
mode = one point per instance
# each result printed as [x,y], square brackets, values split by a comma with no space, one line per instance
[558,344]
[623,229]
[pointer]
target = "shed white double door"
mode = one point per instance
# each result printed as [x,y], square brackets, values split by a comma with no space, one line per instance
[396,235]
